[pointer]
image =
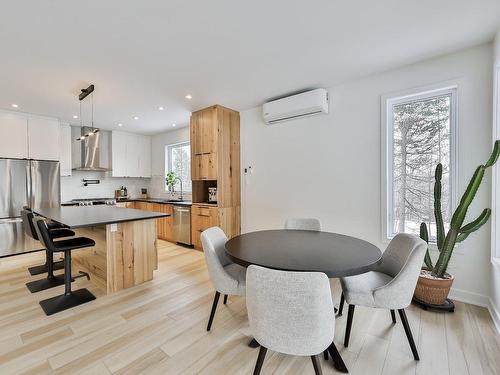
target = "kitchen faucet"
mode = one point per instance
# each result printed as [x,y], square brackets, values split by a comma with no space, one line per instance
[177,178]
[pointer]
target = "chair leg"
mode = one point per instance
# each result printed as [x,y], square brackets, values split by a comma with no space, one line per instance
[67,273]
[260,360]
[225,299]
[393,315]
[407,328]
[350,315]
[212,313]
[325,355]
[341,304]
[316,364]
[338,362]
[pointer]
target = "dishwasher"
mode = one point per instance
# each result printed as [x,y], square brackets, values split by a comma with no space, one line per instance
[182,225]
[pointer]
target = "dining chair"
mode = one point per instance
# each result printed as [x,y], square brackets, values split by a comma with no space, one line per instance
[390,286]
[290,313]
[303,224]
[227,277]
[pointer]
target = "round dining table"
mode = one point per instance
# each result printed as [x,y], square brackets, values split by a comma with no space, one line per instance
[334,254]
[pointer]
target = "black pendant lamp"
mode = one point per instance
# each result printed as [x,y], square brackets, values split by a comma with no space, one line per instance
[86,92]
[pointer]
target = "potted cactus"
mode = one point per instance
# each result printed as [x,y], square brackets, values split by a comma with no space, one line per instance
[434,282]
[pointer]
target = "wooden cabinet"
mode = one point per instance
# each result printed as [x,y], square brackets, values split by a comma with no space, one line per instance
[14,135]
[131,155]
[215,162]
[204,167]
[164,226]
[202,217]
[65,149]
[42,132]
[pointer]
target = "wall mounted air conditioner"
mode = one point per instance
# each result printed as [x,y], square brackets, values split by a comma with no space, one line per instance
[293,107]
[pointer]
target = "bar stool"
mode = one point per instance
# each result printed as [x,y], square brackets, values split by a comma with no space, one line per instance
[30,231]
[51,280]
[70,298]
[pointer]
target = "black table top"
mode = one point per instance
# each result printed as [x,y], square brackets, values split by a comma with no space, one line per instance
[88,216]
[334,254]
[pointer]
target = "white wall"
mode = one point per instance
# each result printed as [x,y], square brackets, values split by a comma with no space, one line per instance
[329,166]
[495,266]
[159,141]
[72,186]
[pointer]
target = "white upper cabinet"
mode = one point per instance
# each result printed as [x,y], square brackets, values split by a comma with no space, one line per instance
[131,155]
[28,137]
[65,149]
[43,138]
[13,135]
[145,156]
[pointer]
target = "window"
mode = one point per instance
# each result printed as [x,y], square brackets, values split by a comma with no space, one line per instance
[178,160]
[420,130]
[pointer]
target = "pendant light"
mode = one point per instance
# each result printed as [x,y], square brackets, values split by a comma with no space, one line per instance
[86,92]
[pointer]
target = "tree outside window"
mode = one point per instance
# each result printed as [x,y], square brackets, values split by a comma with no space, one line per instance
[421,130]
[179,162]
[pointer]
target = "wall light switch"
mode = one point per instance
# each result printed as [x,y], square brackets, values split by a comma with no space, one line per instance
[114,227]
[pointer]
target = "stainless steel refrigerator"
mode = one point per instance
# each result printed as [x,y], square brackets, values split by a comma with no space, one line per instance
[32,183]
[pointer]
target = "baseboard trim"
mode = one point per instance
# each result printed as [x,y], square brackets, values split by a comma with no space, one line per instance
[478,300]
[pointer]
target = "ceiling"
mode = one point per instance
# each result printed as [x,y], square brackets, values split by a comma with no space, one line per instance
[144,54]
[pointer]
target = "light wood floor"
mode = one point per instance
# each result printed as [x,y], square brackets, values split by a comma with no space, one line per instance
[159,328]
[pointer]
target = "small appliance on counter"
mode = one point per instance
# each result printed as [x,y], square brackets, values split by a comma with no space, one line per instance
[121,193]
[144,193]
[212,195]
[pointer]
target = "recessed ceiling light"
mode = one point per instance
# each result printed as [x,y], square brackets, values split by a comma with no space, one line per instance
[75,116]
[14,105]
[120,124]
[173,125]
[136,117]
[188,96]
[160,108]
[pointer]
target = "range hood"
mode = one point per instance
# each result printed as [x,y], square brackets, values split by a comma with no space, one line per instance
[94,151]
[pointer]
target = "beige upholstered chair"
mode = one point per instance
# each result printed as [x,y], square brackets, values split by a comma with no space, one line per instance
[303,224]
[291,313]
[390,286]
[227,277]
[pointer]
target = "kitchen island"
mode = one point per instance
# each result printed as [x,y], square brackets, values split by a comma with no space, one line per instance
[125,253]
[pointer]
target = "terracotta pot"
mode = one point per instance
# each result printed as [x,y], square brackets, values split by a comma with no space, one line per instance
[433,291]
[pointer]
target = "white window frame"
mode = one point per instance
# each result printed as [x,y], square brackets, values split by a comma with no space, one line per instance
[495,197]
[168,161]
[387,133]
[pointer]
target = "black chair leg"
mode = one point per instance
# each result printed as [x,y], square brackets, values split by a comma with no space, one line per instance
[406,325]
[341,304]
[212,313]
[260,360]
[225,299]
[70,298]
[38,270]
[338,362]
[316,364]
[350,315]
[325,355]
[393,316]
[50,281]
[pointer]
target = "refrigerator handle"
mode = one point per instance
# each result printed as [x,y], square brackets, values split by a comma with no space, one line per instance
[28,185]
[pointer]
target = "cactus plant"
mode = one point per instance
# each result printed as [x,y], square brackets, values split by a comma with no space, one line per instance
[457,231]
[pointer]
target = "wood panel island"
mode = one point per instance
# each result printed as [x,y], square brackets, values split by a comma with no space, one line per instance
[125,253]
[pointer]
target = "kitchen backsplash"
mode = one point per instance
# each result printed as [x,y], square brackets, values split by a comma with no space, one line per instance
[72,186]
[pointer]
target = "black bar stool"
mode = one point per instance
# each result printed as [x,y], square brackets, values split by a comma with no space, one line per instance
[70,298]
[51,280]
[37,270]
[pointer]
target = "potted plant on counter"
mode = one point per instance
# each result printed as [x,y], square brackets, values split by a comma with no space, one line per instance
[170,180]
[434,282]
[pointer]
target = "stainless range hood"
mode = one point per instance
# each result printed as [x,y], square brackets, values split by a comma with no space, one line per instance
[94,150]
